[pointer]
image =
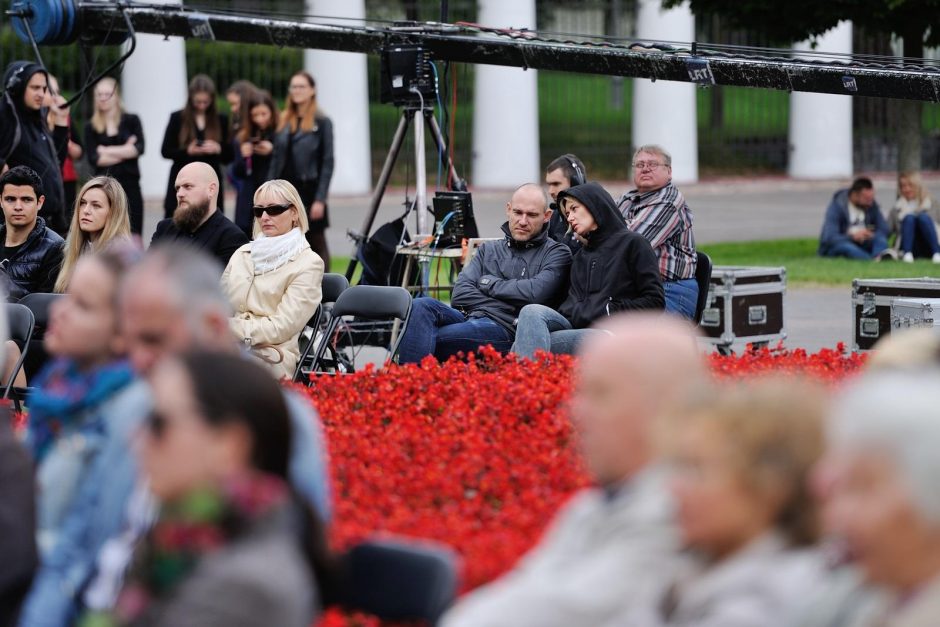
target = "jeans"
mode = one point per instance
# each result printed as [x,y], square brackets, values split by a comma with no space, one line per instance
[442,331]
[916,227]
[681,297]
[543,328]
[845,247]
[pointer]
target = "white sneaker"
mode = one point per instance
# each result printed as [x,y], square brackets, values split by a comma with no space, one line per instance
[936,258]
[908,258]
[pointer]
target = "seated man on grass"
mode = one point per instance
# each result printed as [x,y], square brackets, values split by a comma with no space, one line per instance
[504,276]
[854,226]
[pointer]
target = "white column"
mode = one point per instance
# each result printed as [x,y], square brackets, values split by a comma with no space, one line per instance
[153,85]
[821,124]
[506,108]
[664,112]
[343,94]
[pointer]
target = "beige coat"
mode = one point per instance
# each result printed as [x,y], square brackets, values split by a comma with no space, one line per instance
[272,309]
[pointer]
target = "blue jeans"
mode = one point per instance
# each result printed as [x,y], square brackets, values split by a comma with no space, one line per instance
[437,329]
[681,297]
[845,247]
[543,328]
[920,227]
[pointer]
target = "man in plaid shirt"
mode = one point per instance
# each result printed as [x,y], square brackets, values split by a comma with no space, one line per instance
[657,210]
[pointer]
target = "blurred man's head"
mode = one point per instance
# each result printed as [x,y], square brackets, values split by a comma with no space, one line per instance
[173,302]
[528,212]
[626,380]
[880,475]
[564,172]
[197,187]
[862,193]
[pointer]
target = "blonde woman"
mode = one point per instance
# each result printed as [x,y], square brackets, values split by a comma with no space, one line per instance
[274,281]
[915,219]
[115,141]
[303,155]
[100,217]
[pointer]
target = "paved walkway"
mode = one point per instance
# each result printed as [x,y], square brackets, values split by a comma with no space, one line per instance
[725,210]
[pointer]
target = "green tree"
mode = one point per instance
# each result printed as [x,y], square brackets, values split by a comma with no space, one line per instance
[797,20]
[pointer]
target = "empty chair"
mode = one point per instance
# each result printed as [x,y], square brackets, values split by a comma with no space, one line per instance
[39,303]
[703,275]
[399,581]
[333,285]
[21,322]
[373,310]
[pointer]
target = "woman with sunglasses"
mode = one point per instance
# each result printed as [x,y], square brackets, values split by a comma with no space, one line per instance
[274,281]
[231,545]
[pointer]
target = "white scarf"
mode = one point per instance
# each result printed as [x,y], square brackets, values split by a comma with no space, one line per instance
[270,253]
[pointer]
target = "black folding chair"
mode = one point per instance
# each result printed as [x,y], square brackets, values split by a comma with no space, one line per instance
[398,581]
[21,323]
[373,309]
[39,304]
[703,275]
[333,285]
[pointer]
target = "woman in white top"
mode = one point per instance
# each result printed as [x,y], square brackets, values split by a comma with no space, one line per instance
[740,458]
[915,220]
[274,281]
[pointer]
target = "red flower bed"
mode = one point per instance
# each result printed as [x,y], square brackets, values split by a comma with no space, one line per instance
[478,454]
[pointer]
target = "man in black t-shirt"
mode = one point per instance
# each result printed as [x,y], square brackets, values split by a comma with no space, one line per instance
[31,254]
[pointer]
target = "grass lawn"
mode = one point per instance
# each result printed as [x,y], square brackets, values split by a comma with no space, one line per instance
[798,256]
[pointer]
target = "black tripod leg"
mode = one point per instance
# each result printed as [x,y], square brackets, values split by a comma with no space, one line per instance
[380,186]
[456,181]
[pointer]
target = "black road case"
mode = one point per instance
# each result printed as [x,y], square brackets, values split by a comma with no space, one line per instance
[745,305]
[871,305]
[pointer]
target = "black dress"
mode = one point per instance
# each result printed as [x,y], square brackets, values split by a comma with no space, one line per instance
[126,172]
[172,150]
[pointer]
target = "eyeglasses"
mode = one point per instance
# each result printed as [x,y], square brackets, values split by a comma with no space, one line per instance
[157,424]
[273,210]
[642,165]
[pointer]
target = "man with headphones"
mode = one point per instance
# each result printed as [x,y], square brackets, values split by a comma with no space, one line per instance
[564,172]
[25,139]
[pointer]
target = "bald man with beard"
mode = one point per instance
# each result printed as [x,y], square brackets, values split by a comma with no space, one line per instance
[613,547]
[197,220]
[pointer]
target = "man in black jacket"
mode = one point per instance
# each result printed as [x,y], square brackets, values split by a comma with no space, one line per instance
[25,138]
[197,221]
[32,253]
[526,267]
[615,270]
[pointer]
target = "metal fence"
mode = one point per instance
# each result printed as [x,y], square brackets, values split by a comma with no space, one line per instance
[741,130]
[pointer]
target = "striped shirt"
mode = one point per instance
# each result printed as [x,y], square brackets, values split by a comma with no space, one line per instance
[663,217]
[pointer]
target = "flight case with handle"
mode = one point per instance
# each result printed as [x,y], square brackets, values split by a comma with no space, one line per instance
[745,305]
[871,305]
[913,313]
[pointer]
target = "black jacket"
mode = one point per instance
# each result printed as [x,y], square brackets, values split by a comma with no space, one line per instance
[505,276]
[218,236]
[171,149]
[25,140]
[128,170]
[35,266]
[311,157]
[615,271]
[17,523]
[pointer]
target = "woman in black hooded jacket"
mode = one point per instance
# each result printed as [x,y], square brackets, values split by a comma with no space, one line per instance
[615,270]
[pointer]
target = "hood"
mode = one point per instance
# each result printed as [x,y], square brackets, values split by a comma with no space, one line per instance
[537,240]
[601,206]
[22,71]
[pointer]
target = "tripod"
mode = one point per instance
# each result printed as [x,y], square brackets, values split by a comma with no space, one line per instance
[421,117]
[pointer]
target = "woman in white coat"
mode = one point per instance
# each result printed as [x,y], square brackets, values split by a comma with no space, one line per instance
[274,281]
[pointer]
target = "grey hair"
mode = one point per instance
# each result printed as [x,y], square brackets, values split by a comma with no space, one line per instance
[193,278]
[541,191]
[655,149]
[896,414]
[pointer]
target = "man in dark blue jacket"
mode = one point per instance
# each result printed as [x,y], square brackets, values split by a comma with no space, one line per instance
[30,252]
[504,276]
[854,226]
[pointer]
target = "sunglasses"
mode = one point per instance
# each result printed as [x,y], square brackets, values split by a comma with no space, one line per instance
[273,210]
